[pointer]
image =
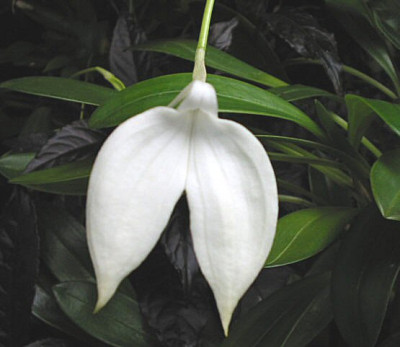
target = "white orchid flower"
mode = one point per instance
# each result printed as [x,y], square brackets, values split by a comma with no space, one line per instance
[142,170]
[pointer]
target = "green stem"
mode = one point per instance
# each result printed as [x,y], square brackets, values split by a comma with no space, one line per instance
[295,200]
[370,80]
[367,143]
[199,71]
[108,76]
[351,71]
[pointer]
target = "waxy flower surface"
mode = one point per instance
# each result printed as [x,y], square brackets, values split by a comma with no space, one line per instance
[144,167]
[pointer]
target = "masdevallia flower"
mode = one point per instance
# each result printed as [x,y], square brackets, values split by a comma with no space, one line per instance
[144,167]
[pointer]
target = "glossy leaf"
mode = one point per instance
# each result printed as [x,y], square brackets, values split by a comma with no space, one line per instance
[61,88]
[296,154]
[385,184]
[360,117]
[68,179]
[291,317]
[366,269]
[13,165]
[361,167]
[304,233]
[46,309]
[63,245]
[353,160]
[118,324]
[299,92]
[387,111]
[215,58]
[233,96]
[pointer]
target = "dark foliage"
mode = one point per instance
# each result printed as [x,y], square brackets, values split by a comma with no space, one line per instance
[287,39]
[73,142]
[18,268]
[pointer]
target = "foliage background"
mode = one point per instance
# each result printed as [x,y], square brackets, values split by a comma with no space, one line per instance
[331,279]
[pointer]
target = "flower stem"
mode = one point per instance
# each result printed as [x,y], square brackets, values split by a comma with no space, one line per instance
[350,70]
[199,71]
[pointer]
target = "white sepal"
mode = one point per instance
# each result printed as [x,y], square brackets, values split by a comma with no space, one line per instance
[233,201]
[138,176]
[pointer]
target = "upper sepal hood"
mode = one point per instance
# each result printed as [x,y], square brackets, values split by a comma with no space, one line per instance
[144,167]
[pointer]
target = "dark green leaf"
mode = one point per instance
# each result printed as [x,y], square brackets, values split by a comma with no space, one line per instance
[360,117]
[61,88]
[119,323]
[19,260]
[63,245]
[365,272]
[353,160]
[385,182]
[233,96]
[360,167]
[13,165]
[64,248]
[387,111]
[37,122]
[68,179]
[326,191]
[363,33]
[291,317]
[299,155]
[215,58]
[384,15]
[299,92]
[304,233]
[47,310]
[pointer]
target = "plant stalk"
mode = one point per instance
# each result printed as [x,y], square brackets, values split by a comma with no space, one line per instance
[199,71]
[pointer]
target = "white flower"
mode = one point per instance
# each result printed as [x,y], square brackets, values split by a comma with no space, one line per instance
[142,170]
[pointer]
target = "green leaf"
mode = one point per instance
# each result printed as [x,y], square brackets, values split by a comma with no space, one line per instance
[64,248]
[13,165]
[387,111]
[220,60]
[363,33]
[68,179]
[385,182]
[119,323]
[360,167]
[384,15]
[353,160]
[63,245]
[291,317]
[46,309]
[300,155]
[233,96]
[61,88]
[328,191]
[304,233]
[360,117]
[366,269]
[299,92]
